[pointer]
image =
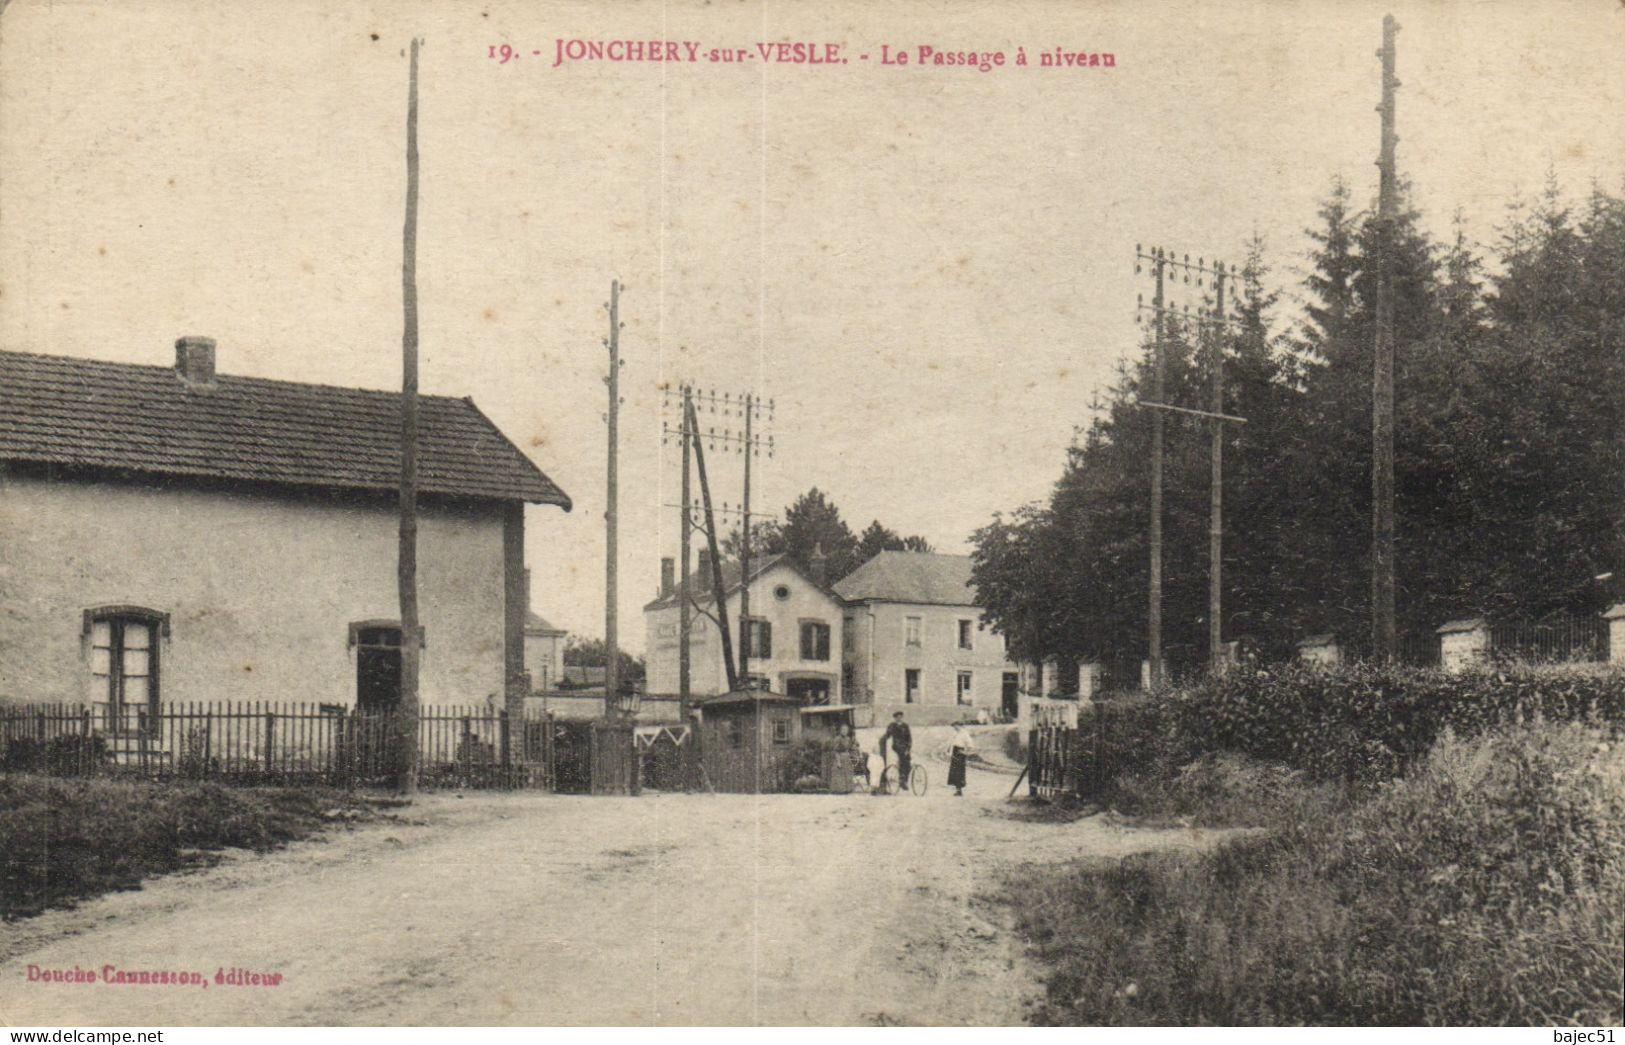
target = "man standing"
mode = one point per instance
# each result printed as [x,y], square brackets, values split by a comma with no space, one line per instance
[902,745]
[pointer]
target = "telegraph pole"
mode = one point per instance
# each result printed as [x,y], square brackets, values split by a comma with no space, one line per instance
[751,443]
[744,557]
[684,621]
[719,593]
[1384,637]
[1215,327]
[1215,532]
[406,735]
[1154,610]
[612,647]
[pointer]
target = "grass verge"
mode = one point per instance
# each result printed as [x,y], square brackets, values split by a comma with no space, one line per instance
[1486,887]
[63,840]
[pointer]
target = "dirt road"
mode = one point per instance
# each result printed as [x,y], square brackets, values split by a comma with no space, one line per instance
[540,909]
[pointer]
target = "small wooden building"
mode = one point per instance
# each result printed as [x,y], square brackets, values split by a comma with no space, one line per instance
[746,740]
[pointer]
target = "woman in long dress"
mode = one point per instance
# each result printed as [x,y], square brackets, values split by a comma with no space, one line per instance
[961,747]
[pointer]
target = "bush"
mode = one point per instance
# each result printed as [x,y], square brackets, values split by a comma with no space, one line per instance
[1228,790]
[67,754]
[1485,888]
[1359,724]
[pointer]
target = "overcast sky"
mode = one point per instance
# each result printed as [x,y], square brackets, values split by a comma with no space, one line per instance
[929,269]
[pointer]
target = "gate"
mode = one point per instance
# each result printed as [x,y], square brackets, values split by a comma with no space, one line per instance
[572,758]
[1066,762]
[615,763]
[670,757]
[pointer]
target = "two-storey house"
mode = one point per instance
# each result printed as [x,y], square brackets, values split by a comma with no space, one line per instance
[916,641]
[792,639]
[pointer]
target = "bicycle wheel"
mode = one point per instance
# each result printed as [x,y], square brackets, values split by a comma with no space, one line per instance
[918,781]
[889,782]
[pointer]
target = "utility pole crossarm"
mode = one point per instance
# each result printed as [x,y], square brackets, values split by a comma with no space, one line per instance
[1195,413]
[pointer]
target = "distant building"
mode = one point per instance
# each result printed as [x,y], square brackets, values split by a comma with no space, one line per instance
[793,637]
[584,676]
[544,653]
[915,641]
[173,534]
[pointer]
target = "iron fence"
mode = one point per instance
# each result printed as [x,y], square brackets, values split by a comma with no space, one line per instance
[285,743]
[1554,640]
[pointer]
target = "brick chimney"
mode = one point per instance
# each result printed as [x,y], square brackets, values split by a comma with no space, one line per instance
[194,360]
[819,565]
[668,576]
[705,568]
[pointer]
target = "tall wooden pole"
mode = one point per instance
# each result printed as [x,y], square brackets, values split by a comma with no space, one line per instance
[685,622]
[1154,609]
[407,559]
[1215,530]
[612,655]
[719,594]
[1384,636]
[745,650]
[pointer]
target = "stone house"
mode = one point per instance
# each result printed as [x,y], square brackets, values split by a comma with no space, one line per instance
[915,641]
[794,638]
[173,534]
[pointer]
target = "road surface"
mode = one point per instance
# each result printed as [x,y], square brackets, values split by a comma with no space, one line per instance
[536,909]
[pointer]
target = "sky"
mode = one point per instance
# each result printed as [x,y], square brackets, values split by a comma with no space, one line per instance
[929,269]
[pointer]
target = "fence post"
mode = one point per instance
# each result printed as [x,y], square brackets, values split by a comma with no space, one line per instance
[86,754]
[549,762]
[1033,755]
[270,739]
[505,740]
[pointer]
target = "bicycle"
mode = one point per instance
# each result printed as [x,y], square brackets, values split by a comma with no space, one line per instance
[918,780]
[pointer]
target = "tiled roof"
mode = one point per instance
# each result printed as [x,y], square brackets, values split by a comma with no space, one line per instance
[918,577]
[701,583]
[88,412]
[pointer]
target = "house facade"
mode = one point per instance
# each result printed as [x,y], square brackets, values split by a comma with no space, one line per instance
[176,535]
[794,634]
[915,641]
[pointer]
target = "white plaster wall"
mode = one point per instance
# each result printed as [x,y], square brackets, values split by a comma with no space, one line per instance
[709,676]
[260,589]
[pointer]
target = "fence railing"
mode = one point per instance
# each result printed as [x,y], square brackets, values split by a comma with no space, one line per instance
[277,743]
[1556,640]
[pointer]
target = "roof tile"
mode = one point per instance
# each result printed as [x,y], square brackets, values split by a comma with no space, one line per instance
[87,412]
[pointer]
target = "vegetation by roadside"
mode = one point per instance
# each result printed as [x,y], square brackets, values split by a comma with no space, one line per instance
[1475,876]
[63,840]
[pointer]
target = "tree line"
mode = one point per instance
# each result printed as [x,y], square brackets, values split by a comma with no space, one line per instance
[1509,448]
[813,535]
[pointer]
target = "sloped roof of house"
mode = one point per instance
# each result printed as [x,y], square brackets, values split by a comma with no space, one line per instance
[918,577]
[537,625]
[586,674]
[701,583]
[93,413]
